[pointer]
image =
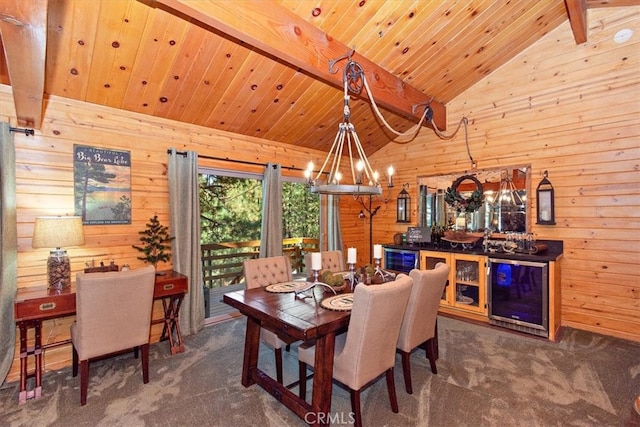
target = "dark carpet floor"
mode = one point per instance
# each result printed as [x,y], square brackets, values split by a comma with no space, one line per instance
[486,377]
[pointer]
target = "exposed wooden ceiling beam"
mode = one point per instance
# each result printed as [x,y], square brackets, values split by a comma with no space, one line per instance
[278,32]
[577,10]
[23,28]
[611,3]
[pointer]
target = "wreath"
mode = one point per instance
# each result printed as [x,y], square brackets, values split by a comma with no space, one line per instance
[459,203]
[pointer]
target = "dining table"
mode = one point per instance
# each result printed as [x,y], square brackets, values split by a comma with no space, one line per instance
[293,317]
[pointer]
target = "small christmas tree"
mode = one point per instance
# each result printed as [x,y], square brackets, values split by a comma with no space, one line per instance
[155,241]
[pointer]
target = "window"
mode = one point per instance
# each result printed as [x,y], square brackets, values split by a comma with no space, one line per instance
[231,207]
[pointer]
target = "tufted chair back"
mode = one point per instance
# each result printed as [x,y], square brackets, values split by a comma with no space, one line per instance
[267,271]
[332,261]
[262,272]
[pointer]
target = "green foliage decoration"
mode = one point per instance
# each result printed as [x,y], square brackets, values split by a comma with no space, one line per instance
[333,280]
[155,241]
[462,204]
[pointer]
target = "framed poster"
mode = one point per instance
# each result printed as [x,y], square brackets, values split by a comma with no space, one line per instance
[102,185]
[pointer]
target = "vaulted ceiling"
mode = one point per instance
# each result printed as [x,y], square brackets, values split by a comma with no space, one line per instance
[261,68]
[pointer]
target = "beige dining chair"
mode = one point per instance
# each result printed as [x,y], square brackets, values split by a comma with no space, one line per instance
[113,313]
[367,349]
[260,272]
[420,318]
[332,261]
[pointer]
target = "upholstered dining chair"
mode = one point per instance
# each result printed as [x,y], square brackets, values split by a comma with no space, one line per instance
[368,348]
[113,313]
[419,323]
[260,272]
[332,261]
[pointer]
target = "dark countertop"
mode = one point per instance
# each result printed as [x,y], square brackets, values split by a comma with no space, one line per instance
[553,252]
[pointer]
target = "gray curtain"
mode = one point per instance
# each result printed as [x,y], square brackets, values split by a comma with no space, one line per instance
[184,208]
[9,252]
[271,232]
[334,232]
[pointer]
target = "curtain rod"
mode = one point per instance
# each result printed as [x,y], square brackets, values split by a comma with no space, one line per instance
[27,132]
[244,162]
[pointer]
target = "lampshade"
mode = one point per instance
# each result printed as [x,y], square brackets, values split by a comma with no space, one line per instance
[57,231]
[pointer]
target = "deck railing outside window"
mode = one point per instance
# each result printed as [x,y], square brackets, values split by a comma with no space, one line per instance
[222,262]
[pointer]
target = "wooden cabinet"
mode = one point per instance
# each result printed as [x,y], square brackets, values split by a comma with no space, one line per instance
[466,290]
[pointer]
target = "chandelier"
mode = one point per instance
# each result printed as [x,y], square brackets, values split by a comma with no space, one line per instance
[359,177]
[508,194]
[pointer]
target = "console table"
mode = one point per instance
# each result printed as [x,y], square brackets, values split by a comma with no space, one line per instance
[35,304]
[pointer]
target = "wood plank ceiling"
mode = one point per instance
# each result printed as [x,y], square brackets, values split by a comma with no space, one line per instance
[208,67]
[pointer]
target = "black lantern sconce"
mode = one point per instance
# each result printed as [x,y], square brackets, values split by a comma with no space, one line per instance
[404,205]
[545,202]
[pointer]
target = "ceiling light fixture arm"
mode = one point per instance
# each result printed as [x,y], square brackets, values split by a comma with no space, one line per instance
[332,62]
[354,76]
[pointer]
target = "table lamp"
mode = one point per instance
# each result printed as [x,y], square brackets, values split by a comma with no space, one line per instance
[55,232]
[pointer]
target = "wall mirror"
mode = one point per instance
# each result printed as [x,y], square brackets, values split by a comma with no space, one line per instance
[504,206]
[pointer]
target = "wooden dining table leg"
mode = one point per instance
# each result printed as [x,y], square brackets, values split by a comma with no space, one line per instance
[323,378]
[251,347]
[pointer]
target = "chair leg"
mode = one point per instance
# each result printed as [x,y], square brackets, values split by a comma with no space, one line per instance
[145,362]
[302,383]
[84,381]
[432,354]
[406,370]
[74,362]
[135,352]
[391,387]
[355,407]
[278,354]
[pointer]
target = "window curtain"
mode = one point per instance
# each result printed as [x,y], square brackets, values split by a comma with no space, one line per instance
[271,231]
[184,209]
[9,252]
[334,232]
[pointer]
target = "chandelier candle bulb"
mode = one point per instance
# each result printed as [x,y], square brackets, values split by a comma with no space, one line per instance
[390,172]
[377,251]
[351,256]
[316,261]
[359,168]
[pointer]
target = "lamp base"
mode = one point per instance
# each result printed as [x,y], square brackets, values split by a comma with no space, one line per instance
[58,270]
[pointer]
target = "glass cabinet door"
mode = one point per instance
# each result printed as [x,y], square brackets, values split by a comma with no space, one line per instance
[470,289]
[429,261]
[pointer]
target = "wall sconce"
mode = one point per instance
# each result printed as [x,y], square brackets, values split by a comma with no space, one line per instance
[545,202]
[404,205]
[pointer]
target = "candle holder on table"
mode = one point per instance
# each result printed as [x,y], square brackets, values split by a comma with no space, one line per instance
[352,276]
[380,272]
[305,291]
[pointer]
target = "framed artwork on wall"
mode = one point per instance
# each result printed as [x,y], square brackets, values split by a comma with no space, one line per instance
[102,185]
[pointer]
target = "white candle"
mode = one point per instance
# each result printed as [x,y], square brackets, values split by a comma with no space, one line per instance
[545,214]
[316,261]
[351,256]
[359,168]
[377,251]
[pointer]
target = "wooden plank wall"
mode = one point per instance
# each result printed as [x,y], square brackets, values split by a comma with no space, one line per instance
[571,110]
[44,174]
[575,112]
